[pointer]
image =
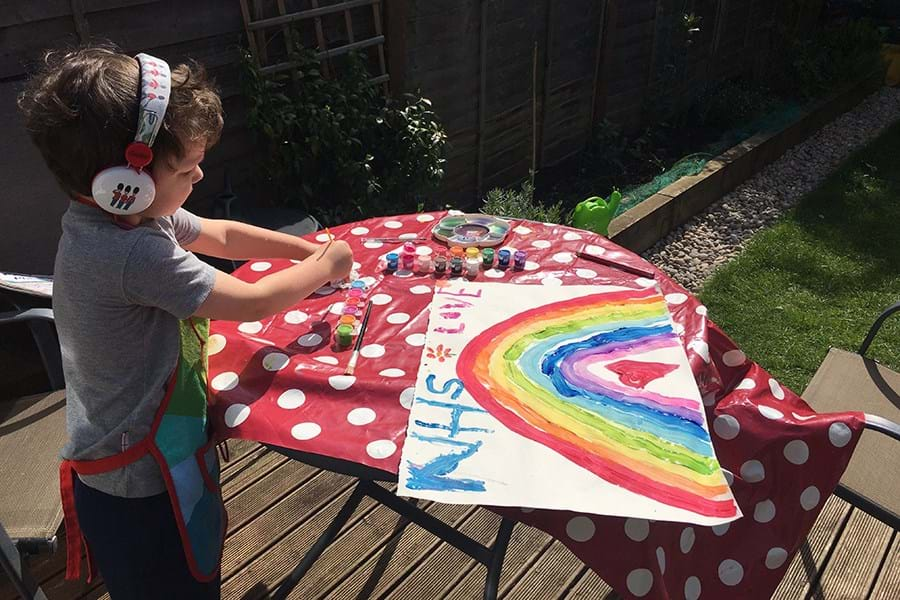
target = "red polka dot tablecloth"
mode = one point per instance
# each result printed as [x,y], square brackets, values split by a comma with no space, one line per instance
[280,381]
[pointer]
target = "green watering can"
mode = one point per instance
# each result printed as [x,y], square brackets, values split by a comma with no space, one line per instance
[595,213]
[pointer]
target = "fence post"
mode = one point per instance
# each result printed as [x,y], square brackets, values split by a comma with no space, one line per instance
[605,41]
[482,94]
[396,12]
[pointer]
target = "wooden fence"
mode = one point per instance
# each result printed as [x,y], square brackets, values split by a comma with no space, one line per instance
[518,84]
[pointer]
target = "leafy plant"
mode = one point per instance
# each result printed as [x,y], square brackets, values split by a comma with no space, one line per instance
[521,204]
[732,103]
[335,146]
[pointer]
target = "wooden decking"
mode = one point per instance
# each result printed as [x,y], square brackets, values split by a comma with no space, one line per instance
[278,507]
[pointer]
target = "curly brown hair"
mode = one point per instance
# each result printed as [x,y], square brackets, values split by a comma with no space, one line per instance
[81,110]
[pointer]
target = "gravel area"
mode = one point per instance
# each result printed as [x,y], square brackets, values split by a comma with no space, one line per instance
[692,252]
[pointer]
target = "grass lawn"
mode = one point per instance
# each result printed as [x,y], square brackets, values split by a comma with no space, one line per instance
[820,276]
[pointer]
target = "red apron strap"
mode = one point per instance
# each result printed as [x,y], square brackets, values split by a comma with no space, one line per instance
[67,469]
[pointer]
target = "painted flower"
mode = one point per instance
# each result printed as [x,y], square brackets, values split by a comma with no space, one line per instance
[439,353]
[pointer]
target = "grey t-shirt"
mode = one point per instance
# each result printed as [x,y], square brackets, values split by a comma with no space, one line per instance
[118,296]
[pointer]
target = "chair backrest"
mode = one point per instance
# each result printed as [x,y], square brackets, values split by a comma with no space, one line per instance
[848,381]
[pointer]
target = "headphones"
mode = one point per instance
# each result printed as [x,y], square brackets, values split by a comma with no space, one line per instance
[128,189]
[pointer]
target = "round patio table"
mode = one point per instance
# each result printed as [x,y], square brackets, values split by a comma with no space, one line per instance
[281,382]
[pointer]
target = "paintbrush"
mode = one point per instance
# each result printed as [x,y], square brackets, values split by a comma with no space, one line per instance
[328,245]
[616,265]
[351,366]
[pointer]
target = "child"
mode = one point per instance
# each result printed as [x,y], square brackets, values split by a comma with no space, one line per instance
[132,304]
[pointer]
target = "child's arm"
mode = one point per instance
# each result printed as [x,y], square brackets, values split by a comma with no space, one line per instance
[234,300]
[240,241]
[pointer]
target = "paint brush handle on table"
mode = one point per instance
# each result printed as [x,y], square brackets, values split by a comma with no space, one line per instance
[351,366]
[617,265]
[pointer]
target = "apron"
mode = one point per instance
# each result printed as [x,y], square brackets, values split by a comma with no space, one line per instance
[180,443]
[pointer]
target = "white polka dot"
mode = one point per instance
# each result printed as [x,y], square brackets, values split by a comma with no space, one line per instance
[360,416]
[275,361]
[676,298]
[309,340]
[295,317]
[734,358]
[564,257]
[494,273]
[639,582]
[797,452]
[661,559]
[730,572]
[261,266]
[678,328]
[407,397]
[595,250]
[216,343]
[455,212]
[341,382]
[776,557]
[701,348]
[729,477]
[408,236]
[291,399]
[359,230]
[645,282]
[839,434]
[753,471]
[327,360]
[380,299]
[372,245]
[336,308]
[580,528]
[541,244]
[392,373]
[701,310]
[530,265]
[769,412]
[224,381]
[397,318]
[692,588]
[571,236]
[810,497]
[586,273]
[416,339]
[746,384]
[764,511]
[424,251]
[726,427]
[236,414]
[637,529]
[250,327]
[305,431]
[381,448]
[372,351]
[424,218]
[324,237]
[522,230]
[688,536]
[776,389]
[804,417]
[393,224]
[552,281]
[722,529]
[420,289]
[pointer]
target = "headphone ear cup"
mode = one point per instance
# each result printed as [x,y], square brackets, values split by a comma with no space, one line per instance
[122,190]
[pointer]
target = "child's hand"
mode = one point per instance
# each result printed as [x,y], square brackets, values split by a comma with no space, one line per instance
[340,257]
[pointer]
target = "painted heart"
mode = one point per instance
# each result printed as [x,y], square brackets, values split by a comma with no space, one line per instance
[536,373]
[635,373]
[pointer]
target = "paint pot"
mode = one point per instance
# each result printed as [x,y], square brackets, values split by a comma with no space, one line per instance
[393,260]
[352,301]
[519,258]
[487,258]
[350,310]
[440,264]
[472,252]
[358,284]
[347,320]
[407,261]
[355,293]
[423,264]
[472,266]
[503,258]
[409,248]
[457,251]
[344,335]
[456,266]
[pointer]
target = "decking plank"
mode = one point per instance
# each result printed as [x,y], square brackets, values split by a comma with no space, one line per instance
[550,576]
[591,587]
[888,585]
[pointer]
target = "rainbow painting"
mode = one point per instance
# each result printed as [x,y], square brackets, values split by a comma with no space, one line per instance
[578,398]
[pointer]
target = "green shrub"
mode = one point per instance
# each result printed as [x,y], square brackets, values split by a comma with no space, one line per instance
[336,147]
[521,204]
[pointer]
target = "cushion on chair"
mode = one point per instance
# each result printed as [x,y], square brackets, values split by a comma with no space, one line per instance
[847,381]
[32,431]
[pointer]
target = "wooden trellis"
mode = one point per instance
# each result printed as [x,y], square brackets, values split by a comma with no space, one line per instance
[259,33]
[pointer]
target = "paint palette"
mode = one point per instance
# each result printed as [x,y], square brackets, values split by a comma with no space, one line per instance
[467,230]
